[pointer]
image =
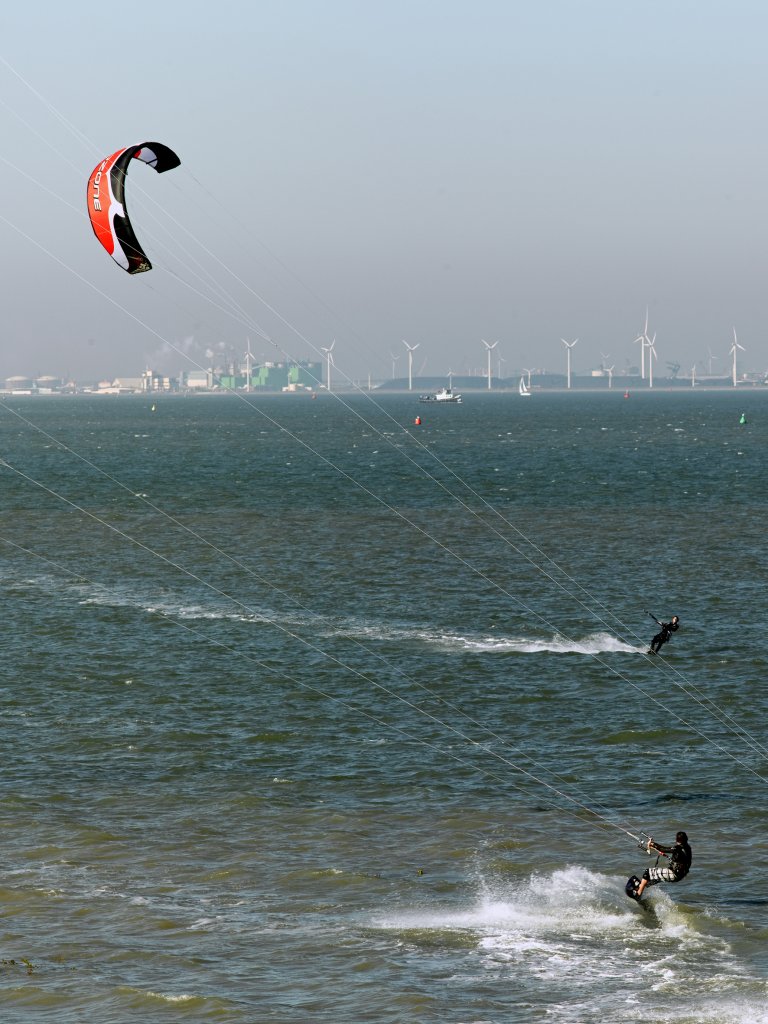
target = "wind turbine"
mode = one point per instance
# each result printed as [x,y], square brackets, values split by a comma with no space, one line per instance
[569,345]
[394,360]
[711,357]
[693,376]
[651,357]
[329,363]
[248,365]
[411,350]
[609,370]
[450,380]
[501,360]
[733,349]
[643,339]
[490,348]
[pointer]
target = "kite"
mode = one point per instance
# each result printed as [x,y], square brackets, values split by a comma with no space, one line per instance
[106,202]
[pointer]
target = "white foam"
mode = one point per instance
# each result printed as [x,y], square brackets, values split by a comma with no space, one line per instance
[592,643]
[173,606]
[164,997]
[576,927]
[543,906]
[740,1012]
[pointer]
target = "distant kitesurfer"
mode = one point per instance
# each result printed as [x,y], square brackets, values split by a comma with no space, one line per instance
[667,628]
[680,858]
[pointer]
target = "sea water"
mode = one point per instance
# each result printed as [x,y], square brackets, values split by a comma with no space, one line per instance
[310,714]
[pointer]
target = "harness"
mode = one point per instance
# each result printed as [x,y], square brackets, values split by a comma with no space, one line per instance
[679,861]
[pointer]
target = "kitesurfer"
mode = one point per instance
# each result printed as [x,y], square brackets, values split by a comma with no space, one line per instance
[680,858]
[663,635]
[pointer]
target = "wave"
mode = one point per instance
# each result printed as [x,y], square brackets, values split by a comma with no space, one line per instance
[171,605]
[573,938]
[544,905]
[592,643]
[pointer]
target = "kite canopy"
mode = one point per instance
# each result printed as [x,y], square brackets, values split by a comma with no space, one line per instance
[106,202]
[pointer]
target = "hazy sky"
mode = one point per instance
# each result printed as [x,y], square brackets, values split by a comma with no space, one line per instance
[435,171]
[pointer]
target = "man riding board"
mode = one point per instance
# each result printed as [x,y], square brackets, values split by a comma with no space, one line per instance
[667,628]
[679,856]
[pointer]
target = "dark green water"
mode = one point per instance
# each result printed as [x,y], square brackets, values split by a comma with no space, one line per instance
[268,689]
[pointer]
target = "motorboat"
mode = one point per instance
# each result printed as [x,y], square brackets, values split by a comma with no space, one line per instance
[444,394]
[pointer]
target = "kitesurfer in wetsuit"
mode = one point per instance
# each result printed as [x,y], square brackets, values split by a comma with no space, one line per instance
[680,857]
[664,633]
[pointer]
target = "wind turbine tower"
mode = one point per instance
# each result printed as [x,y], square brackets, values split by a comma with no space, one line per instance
[568,346]
[248,365]
[733,349]
[642,339]
[328,363]
[394,360]
[490,349]
[411,350]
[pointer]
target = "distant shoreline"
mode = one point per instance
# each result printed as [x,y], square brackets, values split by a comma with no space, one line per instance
[468,393]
